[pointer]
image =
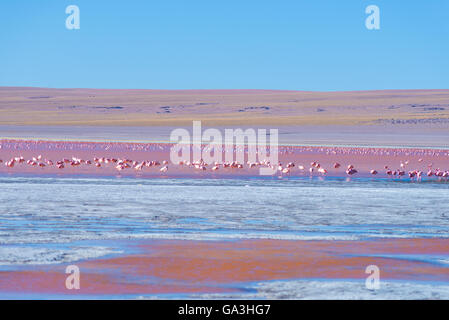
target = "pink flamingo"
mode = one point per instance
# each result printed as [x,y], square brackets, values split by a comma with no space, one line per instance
[164,169]
[322,170]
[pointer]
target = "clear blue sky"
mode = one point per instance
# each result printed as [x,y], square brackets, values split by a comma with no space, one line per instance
[188,44]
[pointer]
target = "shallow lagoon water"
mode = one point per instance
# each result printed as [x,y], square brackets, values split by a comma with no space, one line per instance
[45,210]
[53,220]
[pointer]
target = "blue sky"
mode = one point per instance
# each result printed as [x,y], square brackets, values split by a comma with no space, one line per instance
[320,45]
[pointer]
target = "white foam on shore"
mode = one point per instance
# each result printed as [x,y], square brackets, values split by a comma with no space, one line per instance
[337,289]
[17,255]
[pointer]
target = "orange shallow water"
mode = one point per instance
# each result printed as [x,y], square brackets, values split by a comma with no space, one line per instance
[181,266]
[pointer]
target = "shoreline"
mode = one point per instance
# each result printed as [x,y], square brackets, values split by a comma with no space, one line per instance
[302,145]
[363,135]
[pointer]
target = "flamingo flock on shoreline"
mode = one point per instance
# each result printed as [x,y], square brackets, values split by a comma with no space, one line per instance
[163,166]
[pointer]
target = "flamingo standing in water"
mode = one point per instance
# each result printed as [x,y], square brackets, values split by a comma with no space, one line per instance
[322,170]
[42,161]
[10,164]
[139,166]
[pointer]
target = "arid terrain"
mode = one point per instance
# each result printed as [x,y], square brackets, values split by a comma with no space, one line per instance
[415,118]
[41,106]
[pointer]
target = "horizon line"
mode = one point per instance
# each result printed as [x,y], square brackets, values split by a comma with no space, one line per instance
[222,89]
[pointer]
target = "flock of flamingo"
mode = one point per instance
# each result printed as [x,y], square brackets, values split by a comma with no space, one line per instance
[163,166]
[335,160]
